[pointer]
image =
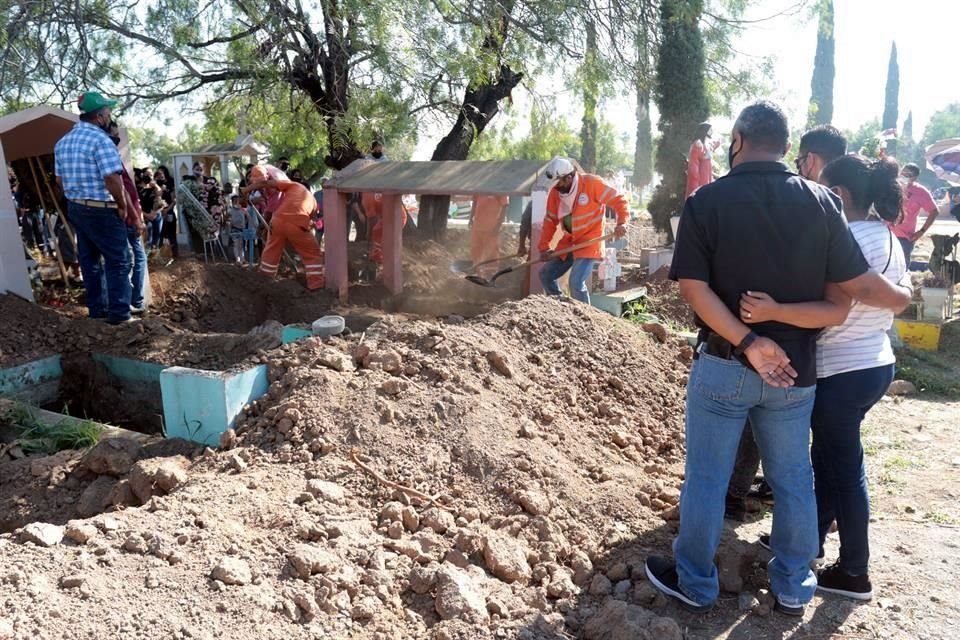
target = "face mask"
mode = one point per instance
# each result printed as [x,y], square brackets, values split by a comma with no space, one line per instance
[377,154]
[731,154]
[116,140]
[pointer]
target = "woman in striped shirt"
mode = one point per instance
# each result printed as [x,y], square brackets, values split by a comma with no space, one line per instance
[855,365]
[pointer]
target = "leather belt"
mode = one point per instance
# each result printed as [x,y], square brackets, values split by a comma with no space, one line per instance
[96,204]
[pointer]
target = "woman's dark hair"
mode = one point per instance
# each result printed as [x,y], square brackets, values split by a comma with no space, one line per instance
[702,130]
[870,182]
[166,173]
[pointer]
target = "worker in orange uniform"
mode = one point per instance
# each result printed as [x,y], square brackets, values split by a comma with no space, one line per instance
[372,204]
[291,223]
[700,159]
[577,204]
[486,219]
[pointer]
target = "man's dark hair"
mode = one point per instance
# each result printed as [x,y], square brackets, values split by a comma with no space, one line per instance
[91,115]
[376,143]
[912,169]
[764,125]
[826,141]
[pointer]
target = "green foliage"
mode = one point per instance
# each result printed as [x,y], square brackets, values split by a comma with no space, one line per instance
[151,148]
[934,373]
[862,137]
[824,70]
[943,124]
[907,134]
[681,98]
[36,436]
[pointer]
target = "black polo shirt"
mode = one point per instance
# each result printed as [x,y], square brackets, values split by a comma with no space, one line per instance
[763,228]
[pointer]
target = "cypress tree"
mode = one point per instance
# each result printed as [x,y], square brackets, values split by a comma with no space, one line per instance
[891,104]
[907,134]
[643,152]
[821,85]
[681,97]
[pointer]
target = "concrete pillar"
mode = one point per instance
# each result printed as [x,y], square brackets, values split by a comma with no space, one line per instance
[539,212]
[336,258]
[13,265]
[392,243]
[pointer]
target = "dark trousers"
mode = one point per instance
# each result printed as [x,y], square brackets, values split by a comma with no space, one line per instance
[745,468]
[907,247]
[101,235]
[168,232]
[839,475]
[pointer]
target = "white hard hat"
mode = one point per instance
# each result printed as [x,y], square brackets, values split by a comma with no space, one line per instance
[559,167]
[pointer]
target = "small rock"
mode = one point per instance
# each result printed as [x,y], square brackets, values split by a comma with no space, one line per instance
[392,512]
[96,497]
[457,558]
[336,360]
[112,456]
[533,502]
[232,571]
[228,439]
[79,532]
[393,387]
[308,560]
[71,581]
[622,587]
[329,491]
[762,610]
[395,530]
[499,362]
[901,388]
[618,571]
[437,519]
[506,557]
[458,597]
[600,585]
[423,578]
[136,544]
[657,330]
[411,519]
[747,601]
[645,593]
[237,463]
[157,476]
[42,534]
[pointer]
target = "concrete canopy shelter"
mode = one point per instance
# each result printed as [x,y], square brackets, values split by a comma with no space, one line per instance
[25,134]
[512,178]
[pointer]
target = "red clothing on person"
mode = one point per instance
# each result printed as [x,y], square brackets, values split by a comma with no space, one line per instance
[699,167]
[916,198]
[485,229]
[291,224]
[133,200]
[373,206]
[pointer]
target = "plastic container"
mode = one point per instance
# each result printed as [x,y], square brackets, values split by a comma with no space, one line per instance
[328,326]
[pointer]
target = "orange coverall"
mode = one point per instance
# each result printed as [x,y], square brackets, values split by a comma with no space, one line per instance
[485,230]
[291,223]
[585,221]
[699,168]
[373,207]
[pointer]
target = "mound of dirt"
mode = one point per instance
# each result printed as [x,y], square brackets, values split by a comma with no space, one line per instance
[431,481]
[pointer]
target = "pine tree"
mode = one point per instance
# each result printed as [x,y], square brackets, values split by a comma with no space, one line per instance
[891,105]
[681,97]
[821,85]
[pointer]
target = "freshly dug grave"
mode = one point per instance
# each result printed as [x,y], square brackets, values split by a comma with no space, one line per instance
[29,331]
[470,480]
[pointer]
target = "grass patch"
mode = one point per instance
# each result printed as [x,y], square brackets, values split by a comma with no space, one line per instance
[901,463]
[931,372]
[36,436]
[940,518]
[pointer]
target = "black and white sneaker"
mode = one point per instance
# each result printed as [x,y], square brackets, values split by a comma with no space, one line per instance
[833,579]
[662,573]
[764,541]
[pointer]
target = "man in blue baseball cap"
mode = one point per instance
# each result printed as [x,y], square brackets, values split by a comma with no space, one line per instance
[89,171]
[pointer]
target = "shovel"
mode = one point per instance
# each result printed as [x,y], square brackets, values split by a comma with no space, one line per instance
[467,266]
[483,282]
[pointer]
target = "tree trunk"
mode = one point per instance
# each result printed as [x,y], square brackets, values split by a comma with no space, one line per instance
[588,134]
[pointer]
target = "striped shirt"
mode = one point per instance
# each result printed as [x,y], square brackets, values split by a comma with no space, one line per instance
[862,341]
[83,158]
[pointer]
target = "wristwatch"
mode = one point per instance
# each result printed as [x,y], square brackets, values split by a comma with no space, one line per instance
[748,340]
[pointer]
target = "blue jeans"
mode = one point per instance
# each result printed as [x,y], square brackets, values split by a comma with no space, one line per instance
[840,477]
[154,229]
[721,395]
[139,267]
[580,270]
[102,235]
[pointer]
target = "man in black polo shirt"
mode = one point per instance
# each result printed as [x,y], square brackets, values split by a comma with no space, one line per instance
[760,228]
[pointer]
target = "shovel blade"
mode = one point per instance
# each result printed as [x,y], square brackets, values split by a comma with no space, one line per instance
[483,282]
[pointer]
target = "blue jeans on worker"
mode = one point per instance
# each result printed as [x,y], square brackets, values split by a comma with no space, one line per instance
[721,395]
[139,267]
[580,270]
[838,470]
[907,247]
[101,235]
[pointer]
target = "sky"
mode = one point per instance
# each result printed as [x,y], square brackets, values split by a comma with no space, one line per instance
[927,33]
